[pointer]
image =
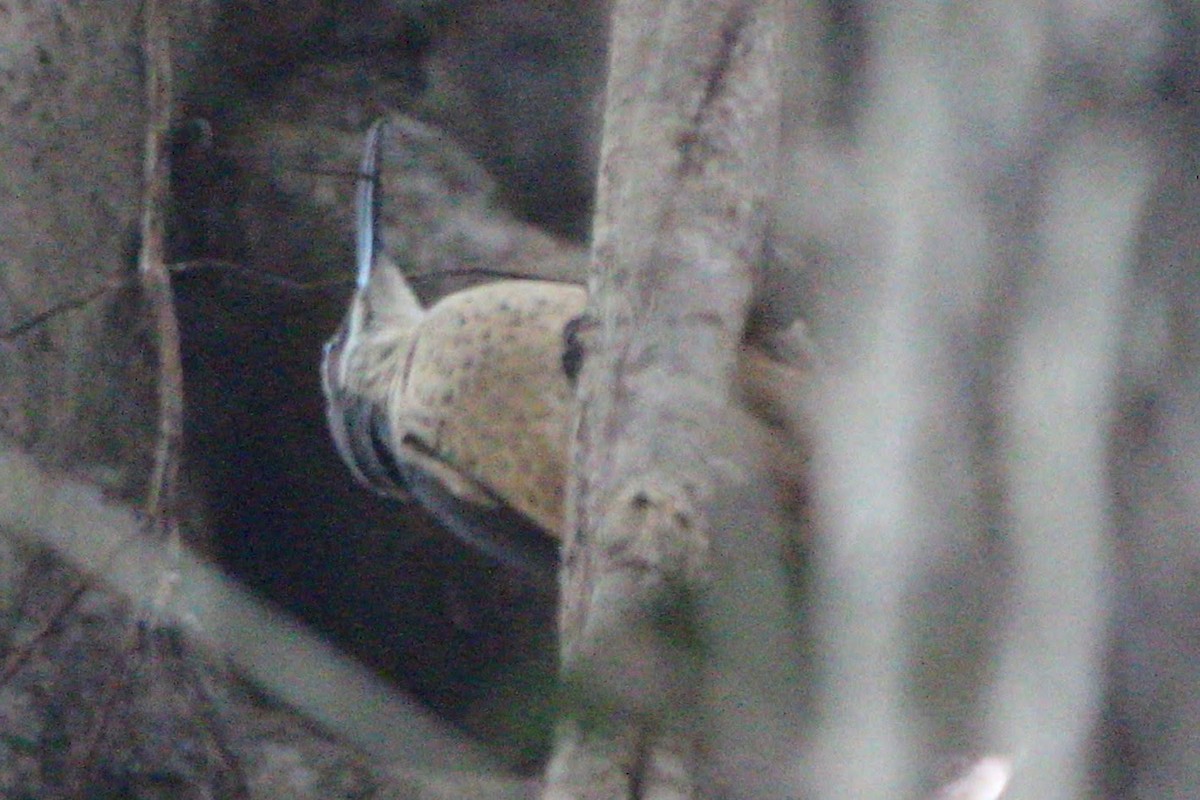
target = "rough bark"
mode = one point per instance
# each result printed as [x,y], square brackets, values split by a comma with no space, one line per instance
[690,136]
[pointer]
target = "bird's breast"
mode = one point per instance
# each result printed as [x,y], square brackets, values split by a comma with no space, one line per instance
[484,390]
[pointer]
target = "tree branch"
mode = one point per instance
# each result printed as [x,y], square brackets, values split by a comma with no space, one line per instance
[691,131]
[156,281]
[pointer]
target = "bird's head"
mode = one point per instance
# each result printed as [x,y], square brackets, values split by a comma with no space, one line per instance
[361,359]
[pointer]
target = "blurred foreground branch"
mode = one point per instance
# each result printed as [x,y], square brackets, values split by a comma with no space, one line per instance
[77,522]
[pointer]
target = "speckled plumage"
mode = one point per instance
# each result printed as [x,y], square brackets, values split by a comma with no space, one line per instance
[464,406]
[484,390]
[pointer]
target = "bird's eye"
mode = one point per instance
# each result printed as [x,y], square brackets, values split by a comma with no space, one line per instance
[574,348]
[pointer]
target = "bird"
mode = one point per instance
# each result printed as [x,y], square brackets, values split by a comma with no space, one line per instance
[467,406]
[464,406]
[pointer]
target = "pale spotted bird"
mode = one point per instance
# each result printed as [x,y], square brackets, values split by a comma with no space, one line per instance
[464,406]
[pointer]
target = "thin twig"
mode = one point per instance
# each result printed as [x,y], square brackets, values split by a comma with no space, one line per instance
[214,716]
[25,326]
[155,279]
[264,277]
[22,652]
[182,268]
[278,281]
[83,755]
